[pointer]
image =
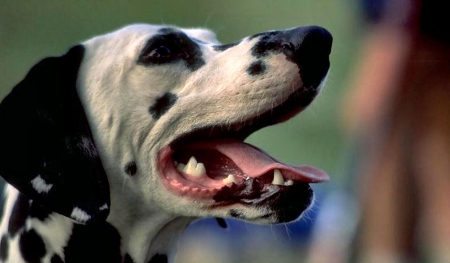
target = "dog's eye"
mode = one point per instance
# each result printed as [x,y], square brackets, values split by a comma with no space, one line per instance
[160,52]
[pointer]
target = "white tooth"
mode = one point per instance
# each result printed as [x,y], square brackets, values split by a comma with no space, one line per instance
[289,182]
[191,165]
[277,177]
[181,167]
[193,168]
[200,169]
[230,179]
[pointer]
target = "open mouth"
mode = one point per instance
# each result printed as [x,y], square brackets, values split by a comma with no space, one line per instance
[215,162]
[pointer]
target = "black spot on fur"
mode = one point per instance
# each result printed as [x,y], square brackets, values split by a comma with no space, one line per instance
[256,68]
[32,247]
[171,46]
[4,246]
[269,43]
[131,168]
[56,259]
[99,242]
[162,105]
[226,46]
[222,223]
[19,214]
[158,258]
[38,211]
[128,259]
[236,214]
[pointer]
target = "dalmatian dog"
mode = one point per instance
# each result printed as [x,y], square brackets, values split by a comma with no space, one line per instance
[113,148]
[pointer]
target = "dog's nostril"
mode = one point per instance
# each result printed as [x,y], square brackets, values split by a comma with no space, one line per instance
[312,47]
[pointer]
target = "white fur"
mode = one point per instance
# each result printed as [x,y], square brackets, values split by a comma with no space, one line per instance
[80,215]
[40,185]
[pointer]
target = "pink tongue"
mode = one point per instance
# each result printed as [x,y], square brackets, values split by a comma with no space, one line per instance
[254,162]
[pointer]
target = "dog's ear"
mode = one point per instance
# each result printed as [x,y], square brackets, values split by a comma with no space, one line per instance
[46,146]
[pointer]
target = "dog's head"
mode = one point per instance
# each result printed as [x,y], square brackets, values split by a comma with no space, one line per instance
[154,118]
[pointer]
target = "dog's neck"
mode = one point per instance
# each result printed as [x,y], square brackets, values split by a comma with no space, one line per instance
[154,235]
[145,230]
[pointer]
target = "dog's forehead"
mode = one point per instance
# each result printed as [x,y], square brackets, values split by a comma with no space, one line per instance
[142,32]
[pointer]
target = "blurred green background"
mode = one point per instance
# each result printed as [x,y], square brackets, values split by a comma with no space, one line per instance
[31,30]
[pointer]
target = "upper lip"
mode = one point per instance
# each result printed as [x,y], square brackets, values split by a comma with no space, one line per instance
[295,103]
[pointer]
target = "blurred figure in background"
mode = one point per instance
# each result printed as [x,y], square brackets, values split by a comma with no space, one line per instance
[397,111]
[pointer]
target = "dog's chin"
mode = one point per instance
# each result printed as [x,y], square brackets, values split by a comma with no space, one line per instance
[270,205]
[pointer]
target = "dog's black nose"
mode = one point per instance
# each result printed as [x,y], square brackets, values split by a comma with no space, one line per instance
[312,40]
[309,47]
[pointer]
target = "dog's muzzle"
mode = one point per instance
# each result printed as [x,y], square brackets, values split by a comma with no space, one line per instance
[214,163]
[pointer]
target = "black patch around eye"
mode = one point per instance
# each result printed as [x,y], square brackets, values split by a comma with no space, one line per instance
[158,258]
[31,246]
[222,223]
[131,168]
[177,46]
[226,46]
[162,105]
[19,214]
[4,247]
[256,68]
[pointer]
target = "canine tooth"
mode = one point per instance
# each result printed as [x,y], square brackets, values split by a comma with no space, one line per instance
[181,167]
[289,182]
[230,179]
[277,177]
[191,166]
